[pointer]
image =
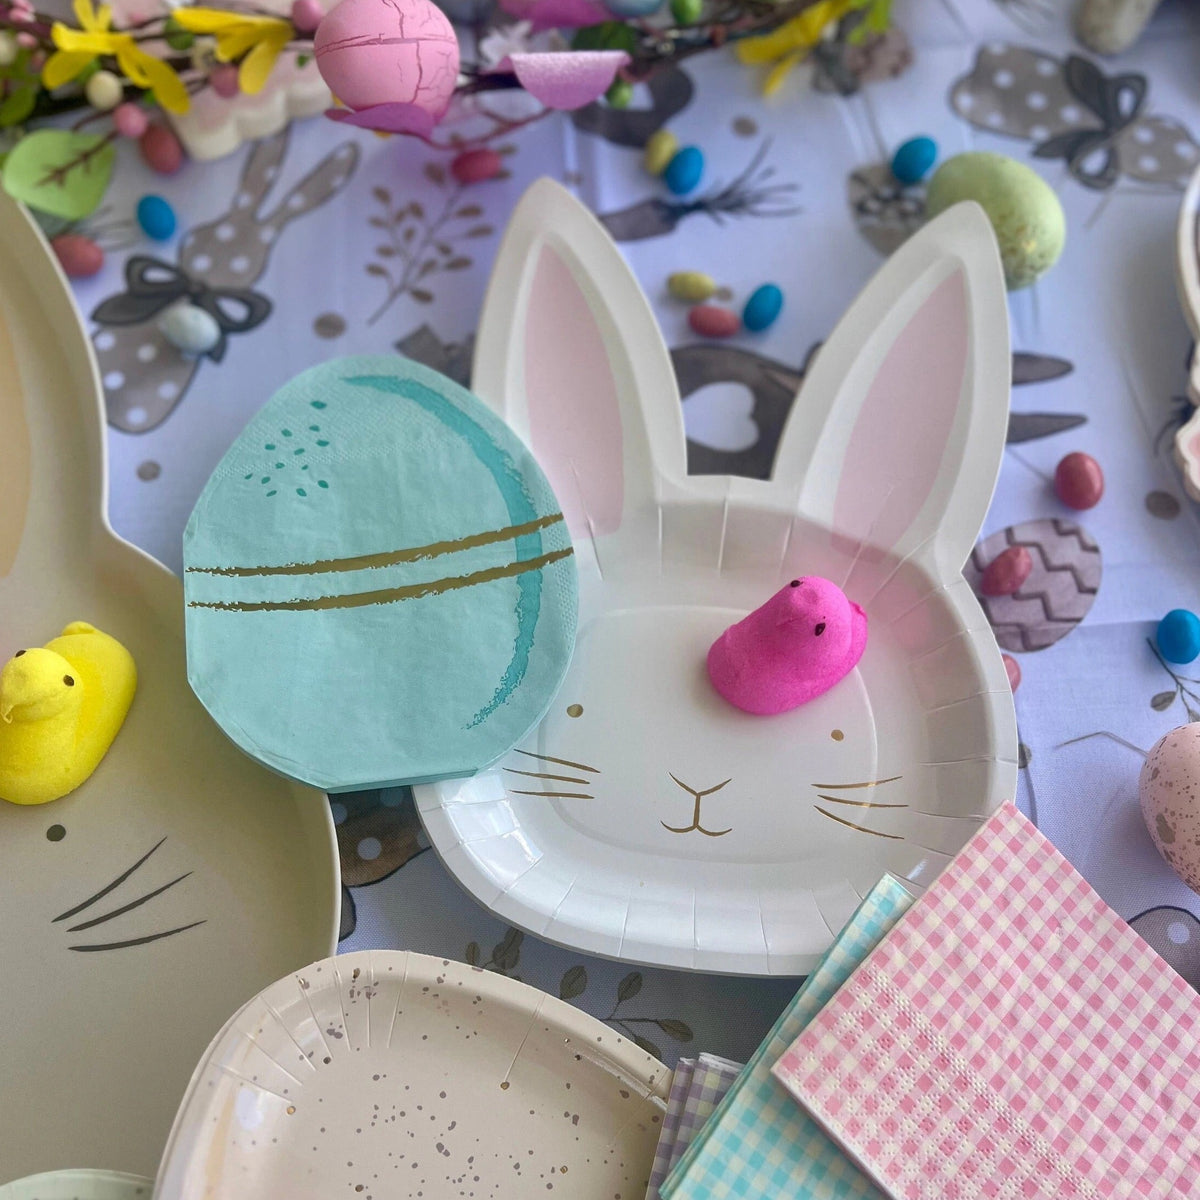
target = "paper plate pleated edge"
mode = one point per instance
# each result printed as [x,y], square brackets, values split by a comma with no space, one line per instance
[621,1058]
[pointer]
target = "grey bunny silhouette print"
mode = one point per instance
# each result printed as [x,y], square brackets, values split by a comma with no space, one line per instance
[145,376]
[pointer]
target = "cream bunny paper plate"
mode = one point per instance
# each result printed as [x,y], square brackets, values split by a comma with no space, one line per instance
[79,1185]
[1187,279]
[144,907]
[385,1074]
[646,818]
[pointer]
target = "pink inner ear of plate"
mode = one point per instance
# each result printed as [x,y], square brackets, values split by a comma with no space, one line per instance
[1193,445]
[574,414]
[904,424]
[567,79]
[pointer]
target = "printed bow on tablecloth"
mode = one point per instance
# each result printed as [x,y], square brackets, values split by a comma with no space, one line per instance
[1096,123]
[152,286]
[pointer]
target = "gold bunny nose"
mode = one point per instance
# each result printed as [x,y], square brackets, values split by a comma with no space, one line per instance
[691,791]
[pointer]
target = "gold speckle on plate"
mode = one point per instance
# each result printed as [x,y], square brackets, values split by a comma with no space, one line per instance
[574,710]
[837,735]
[291,1110]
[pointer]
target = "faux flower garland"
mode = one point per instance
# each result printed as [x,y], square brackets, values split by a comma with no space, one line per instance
[562,54]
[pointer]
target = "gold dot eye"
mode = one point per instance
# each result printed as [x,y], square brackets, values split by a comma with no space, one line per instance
[574,710]
[837,735]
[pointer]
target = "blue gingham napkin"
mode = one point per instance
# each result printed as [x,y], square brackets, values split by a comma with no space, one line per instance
[760,1142]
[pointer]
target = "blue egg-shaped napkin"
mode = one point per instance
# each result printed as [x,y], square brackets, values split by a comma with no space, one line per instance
[379,583]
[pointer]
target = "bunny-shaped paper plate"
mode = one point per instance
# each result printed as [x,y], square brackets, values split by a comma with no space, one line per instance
[144,907]
[646,818]
[1187,279]
[79,1185]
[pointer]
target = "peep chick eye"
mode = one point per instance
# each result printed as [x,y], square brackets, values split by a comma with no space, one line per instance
[68,681]
[820,629]
[794,583]
[18,654]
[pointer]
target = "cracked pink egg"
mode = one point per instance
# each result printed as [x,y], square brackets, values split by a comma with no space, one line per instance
[1170,794]
[388,52]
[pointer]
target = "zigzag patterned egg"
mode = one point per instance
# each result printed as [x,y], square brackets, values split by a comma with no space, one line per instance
[380,586]
[1058,592]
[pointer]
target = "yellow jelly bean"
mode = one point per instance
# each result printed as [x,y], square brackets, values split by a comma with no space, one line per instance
[660,149]
[692,286]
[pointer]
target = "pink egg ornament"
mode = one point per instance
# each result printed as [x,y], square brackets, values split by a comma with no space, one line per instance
[1169,790]
[713,321]
[1079,481]
[476,166]
[378,52]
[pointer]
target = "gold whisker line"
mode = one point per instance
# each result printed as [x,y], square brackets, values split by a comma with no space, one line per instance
[360,562]
[554,795]
[895,837]
[388,595]
[562,762]
[861,803]
[842,787]
[543,775]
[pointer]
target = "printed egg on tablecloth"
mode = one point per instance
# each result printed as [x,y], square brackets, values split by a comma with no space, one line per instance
[1169,790]
[1055,596]
[379,585]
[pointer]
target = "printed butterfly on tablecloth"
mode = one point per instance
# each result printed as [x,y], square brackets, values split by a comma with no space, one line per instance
[1070,109]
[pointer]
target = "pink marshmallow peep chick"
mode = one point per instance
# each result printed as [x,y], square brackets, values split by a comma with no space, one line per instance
[805,639]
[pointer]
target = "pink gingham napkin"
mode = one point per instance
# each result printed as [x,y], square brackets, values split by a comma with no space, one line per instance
[1012,1039]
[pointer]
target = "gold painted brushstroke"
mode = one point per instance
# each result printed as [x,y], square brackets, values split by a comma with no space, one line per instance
[389,558]
[543,775]
[413,591]
[16,454]
[842,787]
[895,837]
[562,762]
[861,803]
[555,795]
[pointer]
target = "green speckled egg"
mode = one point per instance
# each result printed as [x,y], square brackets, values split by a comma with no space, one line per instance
[1021,205]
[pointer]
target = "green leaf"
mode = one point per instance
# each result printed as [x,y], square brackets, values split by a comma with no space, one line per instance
[376,269]
[1162,701]
[629,986]
[17,106]
[608,35]
[60,172]
[574,983]
[678,1030]
[647,1045]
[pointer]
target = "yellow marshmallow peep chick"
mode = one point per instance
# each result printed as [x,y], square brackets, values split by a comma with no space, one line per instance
[61,706]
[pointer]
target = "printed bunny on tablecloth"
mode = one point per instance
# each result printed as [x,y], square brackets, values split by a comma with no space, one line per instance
[1071,110]
[145,376]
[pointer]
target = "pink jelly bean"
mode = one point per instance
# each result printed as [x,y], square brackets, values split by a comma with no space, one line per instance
[1014,671]
[161,150]
[713,321]
[223,80]
[80,256]
[1079,481]
[476,166]
[1006,572]
[306,15]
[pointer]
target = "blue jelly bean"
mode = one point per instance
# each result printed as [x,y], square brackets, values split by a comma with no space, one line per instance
[156,217]
[684,170]
[914,160]
[632,8]
[1179,636]
[762,308]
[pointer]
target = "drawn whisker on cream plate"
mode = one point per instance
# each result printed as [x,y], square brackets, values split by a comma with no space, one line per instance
[823,788]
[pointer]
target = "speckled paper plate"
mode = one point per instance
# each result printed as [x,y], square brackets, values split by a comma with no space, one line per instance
[384,1074]
[78,1185]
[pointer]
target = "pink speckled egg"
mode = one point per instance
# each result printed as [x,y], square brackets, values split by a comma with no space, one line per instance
[388,52]
[1170,796]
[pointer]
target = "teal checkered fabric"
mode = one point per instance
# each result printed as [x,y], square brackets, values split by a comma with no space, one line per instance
[760,1143]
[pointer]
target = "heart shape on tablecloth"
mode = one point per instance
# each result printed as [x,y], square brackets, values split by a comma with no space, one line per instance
[720,416]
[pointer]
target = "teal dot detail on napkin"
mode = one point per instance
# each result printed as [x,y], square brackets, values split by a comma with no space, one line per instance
[396,604]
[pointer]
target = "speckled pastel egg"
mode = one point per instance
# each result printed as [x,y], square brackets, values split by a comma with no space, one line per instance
[1170,794]
[1022,207]
[190,329]
[376,52]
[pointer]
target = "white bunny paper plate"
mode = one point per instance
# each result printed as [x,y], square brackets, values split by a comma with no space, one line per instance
[386,1074]
[144,907]
[646,819]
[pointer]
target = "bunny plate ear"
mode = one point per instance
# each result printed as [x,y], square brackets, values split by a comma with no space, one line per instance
[895,439]
[14,453]
[569,353]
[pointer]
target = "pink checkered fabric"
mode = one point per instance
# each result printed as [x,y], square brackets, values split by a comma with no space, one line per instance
[1012,1039]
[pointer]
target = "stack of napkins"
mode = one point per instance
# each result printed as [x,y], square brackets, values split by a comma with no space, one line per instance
[1013,1037]
[1005,1037]
[759,1142]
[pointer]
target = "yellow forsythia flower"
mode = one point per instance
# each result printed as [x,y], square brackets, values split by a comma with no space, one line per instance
[790,43]
[259,39]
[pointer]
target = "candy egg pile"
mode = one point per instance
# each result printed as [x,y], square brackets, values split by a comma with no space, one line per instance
[759,313]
